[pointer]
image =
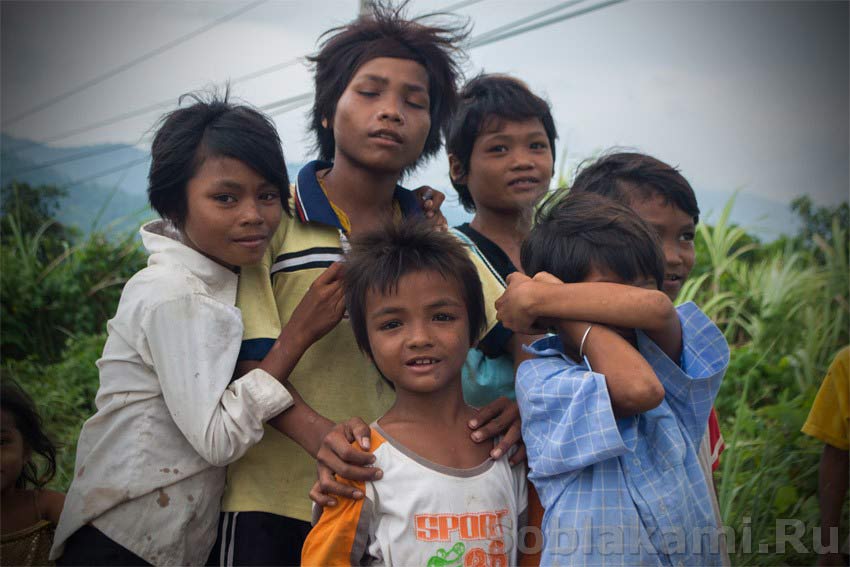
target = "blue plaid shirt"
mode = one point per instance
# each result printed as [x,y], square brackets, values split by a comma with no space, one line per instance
[623,491]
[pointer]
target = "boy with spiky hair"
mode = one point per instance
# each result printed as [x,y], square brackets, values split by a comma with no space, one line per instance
[416,307]
[384,87]
[662,197]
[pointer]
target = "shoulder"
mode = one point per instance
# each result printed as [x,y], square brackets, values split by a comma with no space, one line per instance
[702,341]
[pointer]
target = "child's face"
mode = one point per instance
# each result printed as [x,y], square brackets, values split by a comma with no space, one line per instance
[13,453]
[232,212]
[676,229]
[419,335]
[510,166]
[383,117]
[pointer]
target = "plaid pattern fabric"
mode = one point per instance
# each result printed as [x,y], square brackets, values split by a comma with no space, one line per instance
[623,491]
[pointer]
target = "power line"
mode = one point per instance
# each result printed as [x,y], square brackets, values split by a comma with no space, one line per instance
[106,172]
[474,42]
[123,67]
[144,110]
[288,104]
[170,101]
[548,22]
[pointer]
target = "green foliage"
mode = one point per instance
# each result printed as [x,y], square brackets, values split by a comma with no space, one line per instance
[53,288]
[784,309]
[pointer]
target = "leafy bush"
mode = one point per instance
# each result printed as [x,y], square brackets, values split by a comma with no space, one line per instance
[52,288]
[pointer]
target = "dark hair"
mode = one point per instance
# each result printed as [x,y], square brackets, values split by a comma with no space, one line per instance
[211,128]
[378,260]
[385,33]
[15,401]
[620,176]
[583,231]
[488,97]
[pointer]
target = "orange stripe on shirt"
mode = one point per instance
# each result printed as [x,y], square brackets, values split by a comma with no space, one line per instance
[340,537]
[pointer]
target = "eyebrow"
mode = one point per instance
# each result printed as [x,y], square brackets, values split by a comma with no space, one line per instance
[385,81]
[231,184]
[499,135]
[393,309]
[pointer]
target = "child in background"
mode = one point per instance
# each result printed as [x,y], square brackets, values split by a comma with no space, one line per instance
[829,421]
[149,472]
[662,197]
[501,147]
[611,421]
[29,512]
[385,86]
[416,308]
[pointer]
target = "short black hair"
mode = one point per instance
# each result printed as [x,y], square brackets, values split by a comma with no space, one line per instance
[379,259]
[384,32]
[581,231]
[482,99]
[211,127]
[622,176]
[14,400]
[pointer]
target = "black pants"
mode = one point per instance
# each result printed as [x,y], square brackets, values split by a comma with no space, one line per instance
[89,546]
[258,538]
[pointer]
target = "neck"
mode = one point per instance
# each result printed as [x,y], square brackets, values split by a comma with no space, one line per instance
[442,408]
[359,191]
[501,226]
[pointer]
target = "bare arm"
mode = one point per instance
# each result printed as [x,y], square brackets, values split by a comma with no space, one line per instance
[832,488]
[632,384]
[527,300]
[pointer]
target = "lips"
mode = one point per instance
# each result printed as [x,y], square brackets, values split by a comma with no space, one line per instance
[422,361]
[252,240]
[386,134]
[525,181]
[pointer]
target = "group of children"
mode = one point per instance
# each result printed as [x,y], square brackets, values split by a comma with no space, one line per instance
[338,327]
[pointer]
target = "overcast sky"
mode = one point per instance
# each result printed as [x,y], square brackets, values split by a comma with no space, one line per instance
[741,95]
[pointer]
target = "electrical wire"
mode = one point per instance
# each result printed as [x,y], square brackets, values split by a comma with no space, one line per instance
[123,67]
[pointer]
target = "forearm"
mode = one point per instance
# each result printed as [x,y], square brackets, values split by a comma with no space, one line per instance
[832,487]
[300,422]
[607,303]
[632,384]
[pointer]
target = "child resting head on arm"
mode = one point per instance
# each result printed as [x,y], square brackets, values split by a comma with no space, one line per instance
[615,405]
[416,307]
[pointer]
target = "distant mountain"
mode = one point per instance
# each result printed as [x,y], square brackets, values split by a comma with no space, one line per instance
[115,201]
[106,183]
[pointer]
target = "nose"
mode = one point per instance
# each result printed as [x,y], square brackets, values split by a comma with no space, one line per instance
[522,161]
[418,336]
[671,254]
[249,212]
[391,110]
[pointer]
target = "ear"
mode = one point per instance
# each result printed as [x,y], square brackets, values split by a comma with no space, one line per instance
[456,170]
[324,123]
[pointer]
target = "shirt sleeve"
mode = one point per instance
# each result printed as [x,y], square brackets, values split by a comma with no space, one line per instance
[341,535]
[193,341]
[567,420]
[690,387]
[828,419]
[256,299]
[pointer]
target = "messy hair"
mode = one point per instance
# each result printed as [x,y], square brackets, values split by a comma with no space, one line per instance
[385,32]
[625,176]
[14,400]
[378,260]
[582,231]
